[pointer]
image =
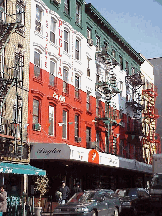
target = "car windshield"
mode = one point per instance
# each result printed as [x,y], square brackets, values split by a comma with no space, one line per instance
[157,182]
[87,196]
[131,192]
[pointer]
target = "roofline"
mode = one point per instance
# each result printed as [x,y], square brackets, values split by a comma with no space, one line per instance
[92,9]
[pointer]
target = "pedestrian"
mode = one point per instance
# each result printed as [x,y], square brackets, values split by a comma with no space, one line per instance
[77,188]
[65,192]
[3,200]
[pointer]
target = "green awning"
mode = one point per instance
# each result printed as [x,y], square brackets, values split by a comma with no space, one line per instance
[18,168]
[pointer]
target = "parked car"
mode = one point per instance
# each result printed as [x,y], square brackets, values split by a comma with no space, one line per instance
[91,203]
[134,200]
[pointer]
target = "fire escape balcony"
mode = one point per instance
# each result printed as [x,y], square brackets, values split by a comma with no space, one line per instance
[135,80]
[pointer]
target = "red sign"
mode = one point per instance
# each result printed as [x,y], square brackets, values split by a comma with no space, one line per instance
[93,156]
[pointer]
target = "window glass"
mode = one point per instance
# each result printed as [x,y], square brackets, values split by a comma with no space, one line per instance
[66,6]
[97,43]
[52,30]
[77,49]
[78,13]
[38,19]
[65,80]
[121,62]
[51,121]
[77,125]
[52,73]
[35,111]
[64,126]
[88,100]
[88,134]
[66,40]
[36,64]
[76,86]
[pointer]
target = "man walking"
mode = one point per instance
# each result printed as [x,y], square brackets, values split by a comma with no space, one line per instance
[65,192]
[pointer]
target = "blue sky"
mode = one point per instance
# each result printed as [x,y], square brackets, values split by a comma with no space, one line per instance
[139,22]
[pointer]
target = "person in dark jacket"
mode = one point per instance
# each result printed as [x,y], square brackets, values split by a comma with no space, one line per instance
[3,200]
[65,192]
[77,188]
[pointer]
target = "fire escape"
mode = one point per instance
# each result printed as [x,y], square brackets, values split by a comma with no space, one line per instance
[151,140]
[108,88]
[134,82]
[12,147]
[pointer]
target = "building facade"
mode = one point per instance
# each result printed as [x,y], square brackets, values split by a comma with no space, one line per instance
[84,109]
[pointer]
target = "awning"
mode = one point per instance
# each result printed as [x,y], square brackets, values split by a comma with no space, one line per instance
[17,168]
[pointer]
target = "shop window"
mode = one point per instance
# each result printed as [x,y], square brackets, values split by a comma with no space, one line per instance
[38,20]
[88,101]
[64,126]
[77,79]
[78,13]
[66,41]
[36,64]
[67,6]
[65,80]
[52,74]
[51,121]
[121,62]
[77,49]
[76,125]
[36,110]
[52,30]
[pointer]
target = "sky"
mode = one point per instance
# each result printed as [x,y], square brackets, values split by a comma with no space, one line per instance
[139,22]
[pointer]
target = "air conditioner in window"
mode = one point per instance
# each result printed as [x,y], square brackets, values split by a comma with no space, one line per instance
[56,1]
[37,127]
[90,41]
[91,145]
[78,139]
[1,128]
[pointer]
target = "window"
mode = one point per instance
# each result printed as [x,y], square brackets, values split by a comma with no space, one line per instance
[36,64]
[2,10]
[97,139]
[77,47]
[105,47]
[97,107]
[78,13]
[2,64]
[52,30]
[65,80]
[51,121]
[76,125]
[88,69]
[89,34]
[76,86]
[88,134]
[133,70]
[52,74]
[121,62]
[64,126]
[66,6]
[66,35]
[113,53]
[88,100]
[121,87]
[20,18]
[38,26]
[127,68]
[97,43]
[36,118]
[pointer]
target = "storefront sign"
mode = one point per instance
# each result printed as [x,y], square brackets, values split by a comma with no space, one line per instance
[49,151]
[93,156]
[78,153]
[109,160]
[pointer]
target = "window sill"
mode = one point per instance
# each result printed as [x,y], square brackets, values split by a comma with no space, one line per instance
[89,112]
[53,44]
[39,34]
[79,25]
[53,88]
[67,15]
[38,80]
[78,99]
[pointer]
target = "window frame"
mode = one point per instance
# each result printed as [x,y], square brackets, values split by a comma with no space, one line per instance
[21,13]
[67,7]
[78,13]
[89,33]
[52,73]
[121,62]
[88,101]
[77,87]
[53,30]
[65,124]
[88,134]
[97,43]
[77,124]
[39,20]
[77,49]
[37,66]
[65,80]
[53,119]
[66,41]
[37,115]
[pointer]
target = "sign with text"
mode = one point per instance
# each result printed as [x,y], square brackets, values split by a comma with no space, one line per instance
[49,151]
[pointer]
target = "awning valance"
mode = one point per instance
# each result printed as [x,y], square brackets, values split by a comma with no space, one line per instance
[17,168]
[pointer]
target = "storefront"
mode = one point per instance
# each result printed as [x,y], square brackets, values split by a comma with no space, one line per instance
[15,178]
[91,168]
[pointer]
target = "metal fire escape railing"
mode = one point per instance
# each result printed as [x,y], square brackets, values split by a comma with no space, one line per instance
[108,88]
[151,140]
[11,80]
